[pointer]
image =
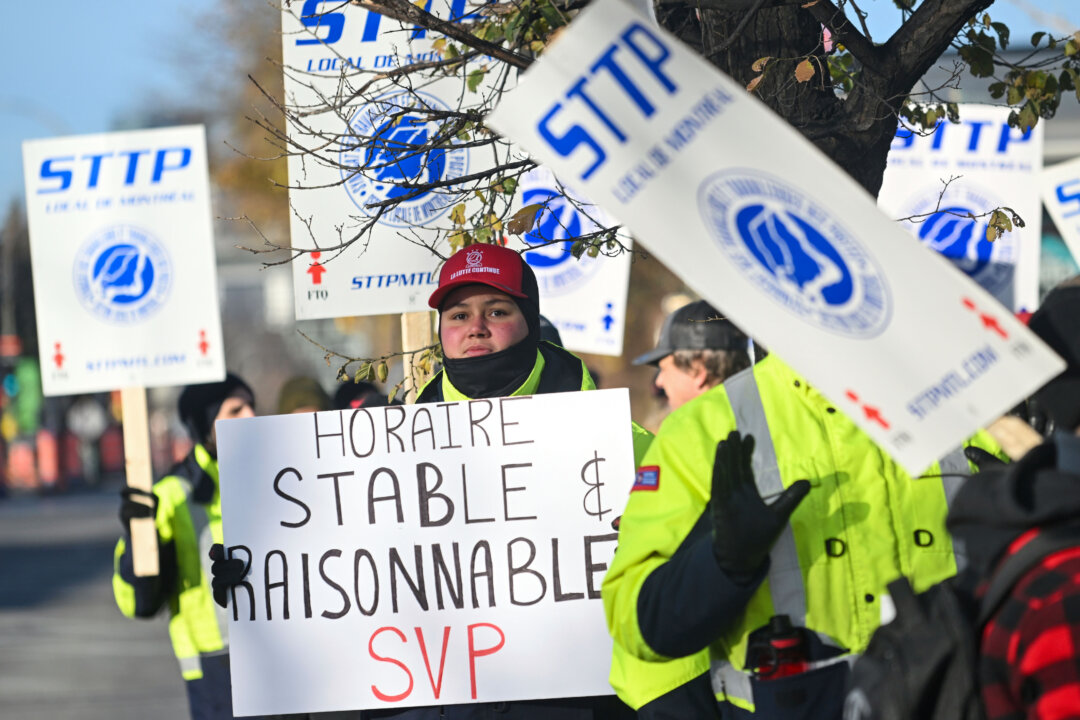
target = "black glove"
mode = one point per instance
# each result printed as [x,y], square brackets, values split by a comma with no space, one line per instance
[983,460]
[744,527]
[131,507]
[227,574]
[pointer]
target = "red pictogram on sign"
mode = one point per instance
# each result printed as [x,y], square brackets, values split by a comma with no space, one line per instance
[989,321]
[316,270]
[203,345]
[871,412]
[58,358]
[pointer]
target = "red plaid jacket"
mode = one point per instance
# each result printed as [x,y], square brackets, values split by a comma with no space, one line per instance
[1029,666]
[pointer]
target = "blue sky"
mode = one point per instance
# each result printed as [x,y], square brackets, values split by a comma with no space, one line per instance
[73,67]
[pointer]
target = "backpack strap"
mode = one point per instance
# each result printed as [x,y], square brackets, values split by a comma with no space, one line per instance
[1014,567]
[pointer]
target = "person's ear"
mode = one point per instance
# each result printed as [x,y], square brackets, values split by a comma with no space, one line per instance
[699,374]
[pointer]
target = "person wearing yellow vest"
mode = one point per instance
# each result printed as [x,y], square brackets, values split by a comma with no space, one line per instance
[489,327]
[777,564]
[186,507]
[697,350]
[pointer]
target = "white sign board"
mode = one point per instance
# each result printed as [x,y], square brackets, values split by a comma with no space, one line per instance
[1061,195]
[331,51]
[584,298]
[766,228]
[424,555]
[122,247]
[994,165]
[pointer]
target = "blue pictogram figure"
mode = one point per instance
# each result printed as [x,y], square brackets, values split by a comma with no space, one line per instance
[609,319]
[795,253]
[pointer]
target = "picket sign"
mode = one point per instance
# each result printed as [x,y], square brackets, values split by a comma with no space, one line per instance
[1060,186]
[330,52]
[124,276]
[427,554]
[991,165]
[761,224]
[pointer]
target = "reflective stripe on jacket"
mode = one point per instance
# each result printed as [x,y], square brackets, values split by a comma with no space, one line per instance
[864,523]
[186,528]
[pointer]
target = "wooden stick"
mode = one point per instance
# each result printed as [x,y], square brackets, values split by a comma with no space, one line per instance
[415,334]
[144,545]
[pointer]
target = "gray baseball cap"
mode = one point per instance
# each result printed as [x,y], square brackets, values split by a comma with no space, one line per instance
[697,326]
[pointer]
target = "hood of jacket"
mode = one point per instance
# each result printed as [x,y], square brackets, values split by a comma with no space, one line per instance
[994,507]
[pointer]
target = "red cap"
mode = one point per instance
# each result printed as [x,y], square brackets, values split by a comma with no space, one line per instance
[492,265]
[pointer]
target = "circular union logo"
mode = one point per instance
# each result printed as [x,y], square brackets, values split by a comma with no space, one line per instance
[791,247]
[557,270]
[122,274]
[951,229]
[388,151]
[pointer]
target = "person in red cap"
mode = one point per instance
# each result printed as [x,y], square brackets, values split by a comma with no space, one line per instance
[489,326]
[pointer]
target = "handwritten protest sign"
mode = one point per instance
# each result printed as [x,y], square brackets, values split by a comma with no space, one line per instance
[1061,195]
[990,165]
[426,554]
[764,226]
[125,283]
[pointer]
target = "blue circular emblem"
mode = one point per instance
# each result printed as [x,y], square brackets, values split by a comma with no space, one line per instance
[947,223]
[557,270]
[382,157]
[801,256]
[122,274]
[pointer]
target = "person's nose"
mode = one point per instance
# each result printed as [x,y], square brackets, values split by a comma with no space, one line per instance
[478,327]
[247,412]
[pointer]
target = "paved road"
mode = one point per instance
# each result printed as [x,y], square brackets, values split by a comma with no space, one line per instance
[66,652]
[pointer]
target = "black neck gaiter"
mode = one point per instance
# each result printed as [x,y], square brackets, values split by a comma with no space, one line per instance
[494,375]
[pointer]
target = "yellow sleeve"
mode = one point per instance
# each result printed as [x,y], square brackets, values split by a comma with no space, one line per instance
[660,515]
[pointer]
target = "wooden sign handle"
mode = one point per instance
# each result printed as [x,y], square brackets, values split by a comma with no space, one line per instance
[144,545]
[415,334]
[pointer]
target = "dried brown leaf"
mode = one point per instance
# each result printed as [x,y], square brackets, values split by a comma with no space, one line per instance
[523,219]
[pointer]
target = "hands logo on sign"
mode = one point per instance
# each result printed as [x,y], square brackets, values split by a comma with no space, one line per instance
[388,151]
[557,270]
[952,229]
[122,274]
[801,257]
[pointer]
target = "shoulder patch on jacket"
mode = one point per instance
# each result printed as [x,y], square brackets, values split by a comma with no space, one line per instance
[648,478]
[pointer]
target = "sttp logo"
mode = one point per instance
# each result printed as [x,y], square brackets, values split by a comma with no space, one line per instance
[638,53]
[951,228]
[122,275]
[84,172]
[557,223]
[388,151]
[328,25]
[796,252]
